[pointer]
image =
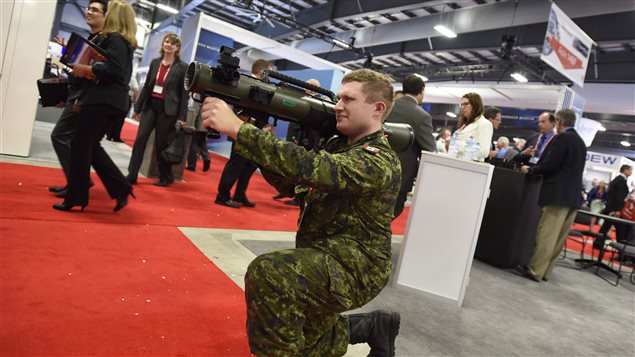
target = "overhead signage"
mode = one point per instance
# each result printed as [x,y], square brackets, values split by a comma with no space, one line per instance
[587,128]
[566,47]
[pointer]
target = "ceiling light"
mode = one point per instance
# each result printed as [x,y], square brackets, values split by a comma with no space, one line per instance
[519,77]
[168,9]
[625,143]
[602,128]
[161,6]
[450,114]
[445,31]
[425,79]
[341,43]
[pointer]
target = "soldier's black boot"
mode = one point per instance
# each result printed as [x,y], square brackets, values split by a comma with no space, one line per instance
[378,328]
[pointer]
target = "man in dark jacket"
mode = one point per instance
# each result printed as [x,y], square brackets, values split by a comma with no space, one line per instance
[536,145]
[407,110]
[561,166]
[618,190]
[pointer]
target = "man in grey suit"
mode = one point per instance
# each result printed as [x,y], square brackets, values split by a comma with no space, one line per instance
[407,110]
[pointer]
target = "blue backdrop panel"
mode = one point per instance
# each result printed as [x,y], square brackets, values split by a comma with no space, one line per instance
[209,43]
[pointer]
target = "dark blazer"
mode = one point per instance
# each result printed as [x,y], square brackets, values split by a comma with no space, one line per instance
[617,192]
[112,77]
[407,111]
[561,165]
[176,97]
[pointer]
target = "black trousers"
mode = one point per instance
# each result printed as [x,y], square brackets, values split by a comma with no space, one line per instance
[152,118]
[63,133]
[621,230]
[238,170]
[114,130]
[401,202]
[198,146]
[86,150]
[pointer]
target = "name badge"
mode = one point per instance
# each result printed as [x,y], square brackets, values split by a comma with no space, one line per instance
[157,89]
[533,160]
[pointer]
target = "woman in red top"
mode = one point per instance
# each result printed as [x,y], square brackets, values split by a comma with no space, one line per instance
[161,103]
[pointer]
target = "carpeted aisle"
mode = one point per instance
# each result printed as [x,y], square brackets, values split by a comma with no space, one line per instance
[114,290]
[24,193]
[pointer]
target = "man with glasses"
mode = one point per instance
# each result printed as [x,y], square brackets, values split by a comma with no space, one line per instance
[64,129]
[493,114]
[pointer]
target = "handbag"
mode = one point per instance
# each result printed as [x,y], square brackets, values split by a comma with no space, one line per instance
[175,151]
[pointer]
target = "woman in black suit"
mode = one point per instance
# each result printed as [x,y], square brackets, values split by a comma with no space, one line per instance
[162,101]
[103,100]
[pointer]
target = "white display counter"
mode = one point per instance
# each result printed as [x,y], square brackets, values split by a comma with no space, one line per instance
[443,226]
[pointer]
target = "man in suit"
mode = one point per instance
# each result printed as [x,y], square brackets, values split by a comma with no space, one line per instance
[561,166]
[239,170]
[617,193]
[64,129]
[536,145]
[494,115]
[407,110]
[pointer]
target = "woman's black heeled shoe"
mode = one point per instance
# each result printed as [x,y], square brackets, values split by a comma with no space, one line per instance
[122,201]
[66,207]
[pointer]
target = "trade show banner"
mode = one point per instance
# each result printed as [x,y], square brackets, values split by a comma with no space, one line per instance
[587,128]
[566,47]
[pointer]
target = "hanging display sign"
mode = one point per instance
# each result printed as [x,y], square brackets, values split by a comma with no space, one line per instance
[566,47]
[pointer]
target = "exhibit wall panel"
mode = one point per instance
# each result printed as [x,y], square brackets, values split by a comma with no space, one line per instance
[25,41]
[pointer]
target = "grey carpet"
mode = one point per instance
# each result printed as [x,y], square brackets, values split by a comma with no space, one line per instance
[574,314]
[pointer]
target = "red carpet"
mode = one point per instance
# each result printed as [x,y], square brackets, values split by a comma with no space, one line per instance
[24,193]
[111,290]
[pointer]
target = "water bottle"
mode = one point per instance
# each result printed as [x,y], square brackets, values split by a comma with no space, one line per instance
[469,148]
[476,152]
[453,148]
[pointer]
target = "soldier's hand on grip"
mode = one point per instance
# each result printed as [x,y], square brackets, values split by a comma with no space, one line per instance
[218,115]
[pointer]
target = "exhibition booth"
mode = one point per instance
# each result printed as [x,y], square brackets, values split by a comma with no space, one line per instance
[502,240]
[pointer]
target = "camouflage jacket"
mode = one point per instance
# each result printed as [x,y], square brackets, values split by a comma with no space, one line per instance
[352,190]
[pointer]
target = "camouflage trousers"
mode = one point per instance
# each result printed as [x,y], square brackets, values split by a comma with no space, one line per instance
[294,300]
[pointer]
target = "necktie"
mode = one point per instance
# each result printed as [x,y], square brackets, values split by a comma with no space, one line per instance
[541,144]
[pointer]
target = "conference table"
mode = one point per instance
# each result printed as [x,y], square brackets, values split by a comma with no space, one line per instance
[616,220]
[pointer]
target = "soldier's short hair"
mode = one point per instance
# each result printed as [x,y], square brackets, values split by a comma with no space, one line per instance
[566,117]
[377,87]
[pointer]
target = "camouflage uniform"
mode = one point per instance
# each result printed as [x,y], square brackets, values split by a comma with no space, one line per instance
[342,256]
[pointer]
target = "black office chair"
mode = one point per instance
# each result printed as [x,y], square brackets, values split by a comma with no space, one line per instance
[626,254]
[584,236]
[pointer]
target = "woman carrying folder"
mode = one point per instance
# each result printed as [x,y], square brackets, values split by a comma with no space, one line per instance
[161,102]
[103,99]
